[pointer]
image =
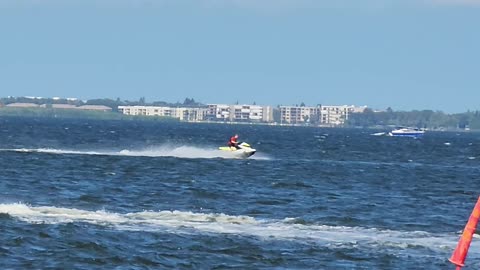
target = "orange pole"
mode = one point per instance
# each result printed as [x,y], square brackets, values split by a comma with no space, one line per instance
[460,253]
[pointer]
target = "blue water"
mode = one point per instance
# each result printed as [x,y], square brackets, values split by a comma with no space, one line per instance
[87,194]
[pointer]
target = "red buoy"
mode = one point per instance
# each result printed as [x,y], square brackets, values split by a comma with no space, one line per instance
[460,253]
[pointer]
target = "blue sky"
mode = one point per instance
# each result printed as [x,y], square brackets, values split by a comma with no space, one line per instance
[406,54]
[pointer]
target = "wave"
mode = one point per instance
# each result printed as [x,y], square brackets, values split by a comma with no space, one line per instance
[188,222]
[157,151]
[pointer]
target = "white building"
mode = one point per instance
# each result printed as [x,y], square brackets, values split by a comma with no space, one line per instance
[183,114]
[239,113]
[333,115]
[218,112]
[337,115]
[299,114]
[324,115]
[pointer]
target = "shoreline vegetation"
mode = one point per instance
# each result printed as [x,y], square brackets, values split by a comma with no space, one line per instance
[77,114]
[425,119]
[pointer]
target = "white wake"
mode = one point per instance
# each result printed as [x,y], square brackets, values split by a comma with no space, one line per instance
[287,229]
[154,151]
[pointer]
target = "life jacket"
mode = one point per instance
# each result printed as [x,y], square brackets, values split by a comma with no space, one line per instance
[233,141]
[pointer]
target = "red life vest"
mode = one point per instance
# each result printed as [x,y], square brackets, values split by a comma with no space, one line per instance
[233,141]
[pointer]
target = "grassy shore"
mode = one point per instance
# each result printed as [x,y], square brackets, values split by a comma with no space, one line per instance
[76,114]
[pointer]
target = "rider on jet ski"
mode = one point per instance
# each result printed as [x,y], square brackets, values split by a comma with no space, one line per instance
[233,142]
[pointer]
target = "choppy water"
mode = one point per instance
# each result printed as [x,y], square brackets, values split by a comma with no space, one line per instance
[149,195]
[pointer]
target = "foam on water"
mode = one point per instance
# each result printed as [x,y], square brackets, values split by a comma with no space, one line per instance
[183,151]
[188,222]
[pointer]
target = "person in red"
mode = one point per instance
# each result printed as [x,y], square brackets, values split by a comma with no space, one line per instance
[233,142]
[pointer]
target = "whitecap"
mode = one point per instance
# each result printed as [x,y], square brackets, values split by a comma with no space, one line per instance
[186,222]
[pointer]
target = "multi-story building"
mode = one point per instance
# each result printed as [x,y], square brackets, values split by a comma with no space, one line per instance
[217,112]
[337,115]
[183,114]
[239,113]
[333,115]
[191,114]
[322,115]
[299,114]
[319,115]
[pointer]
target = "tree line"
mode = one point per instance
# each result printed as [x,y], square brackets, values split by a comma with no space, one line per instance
[435,120]
[112,103]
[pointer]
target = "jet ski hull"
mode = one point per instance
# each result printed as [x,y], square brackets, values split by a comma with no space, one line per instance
[245,154]
[242,152]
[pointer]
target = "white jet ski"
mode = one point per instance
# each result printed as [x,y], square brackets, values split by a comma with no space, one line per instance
[244,150]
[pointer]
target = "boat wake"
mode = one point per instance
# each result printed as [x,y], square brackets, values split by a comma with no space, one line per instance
[194,223]
[154,151]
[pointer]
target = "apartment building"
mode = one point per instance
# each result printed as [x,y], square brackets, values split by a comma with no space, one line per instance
[239,113]
[183,114]
[337,115]
[333,115]
[318,115]
[299,114]
[218,112]
[324,115]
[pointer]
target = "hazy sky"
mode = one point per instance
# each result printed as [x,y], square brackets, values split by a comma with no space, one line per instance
[406,54]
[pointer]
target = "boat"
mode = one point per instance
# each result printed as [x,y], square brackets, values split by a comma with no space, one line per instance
[407,132]
[244,150]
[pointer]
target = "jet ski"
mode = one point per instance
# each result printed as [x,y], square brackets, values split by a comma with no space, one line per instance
[244,150]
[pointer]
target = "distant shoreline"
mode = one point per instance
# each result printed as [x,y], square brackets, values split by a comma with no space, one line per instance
[72,114]
[102,115]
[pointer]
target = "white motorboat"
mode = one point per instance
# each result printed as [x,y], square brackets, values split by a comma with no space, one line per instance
[407,132]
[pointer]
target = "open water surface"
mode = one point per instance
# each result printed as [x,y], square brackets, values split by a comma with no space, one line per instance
[88,194]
